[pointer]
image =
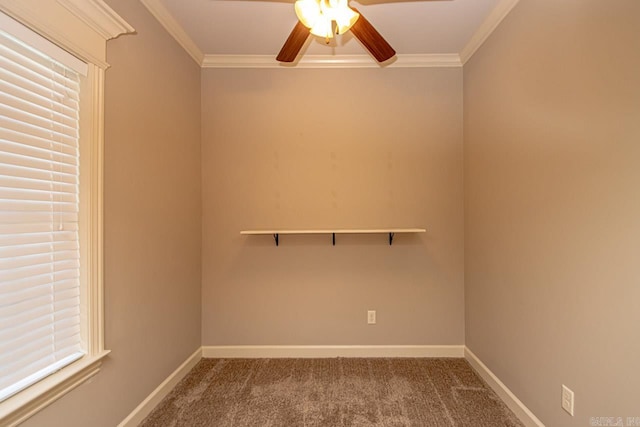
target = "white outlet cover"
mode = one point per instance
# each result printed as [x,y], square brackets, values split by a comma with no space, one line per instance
[567,399]
[371,317]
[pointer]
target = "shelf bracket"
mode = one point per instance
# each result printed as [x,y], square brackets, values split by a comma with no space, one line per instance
[391,238]
[276,237]
[334,238]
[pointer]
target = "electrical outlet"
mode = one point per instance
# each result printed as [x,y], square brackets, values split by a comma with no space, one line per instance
[371,317]
[567,399]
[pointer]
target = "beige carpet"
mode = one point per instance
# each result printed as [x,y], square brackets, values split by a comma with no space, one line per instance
[331,392]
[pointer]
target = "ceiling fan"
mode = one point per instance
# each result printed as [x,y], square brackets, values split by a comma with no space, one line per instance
[324,18]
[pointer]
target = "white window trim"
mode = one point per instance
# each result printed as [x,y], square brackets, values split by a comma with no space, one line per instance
[81,27]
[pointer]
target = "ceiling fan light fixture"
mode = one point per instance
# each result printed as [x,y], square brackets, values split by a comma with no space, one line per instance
[308,12]
[344,16]
[318,16]
[346,21]
[323,28]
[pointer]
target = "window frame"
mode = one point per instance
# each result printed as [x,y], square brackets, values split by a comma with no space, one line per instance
[82,28]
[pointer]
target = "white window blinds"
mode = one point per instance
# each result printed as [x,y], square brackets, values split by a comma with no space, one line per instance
[39,191]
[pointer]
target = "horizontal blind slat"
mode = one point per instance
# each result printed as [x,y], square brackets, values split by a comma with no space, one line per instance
[32,221]
[19,63]
[29,357]
[37,332]
[36,238]
[27,194]
[41,278]
[54,267]
[25,118]
[24,172]
[11,85]
[28,137]
[27,130]
[31,184]
[8,290]
[55,168]
[53,340]
[46,206]
[27,261]
[27,228]
[49,154]
[7,100]
[37,248]
[36,85]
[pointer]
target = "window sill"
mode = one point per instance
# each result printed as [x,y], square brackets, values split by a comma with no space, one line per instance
[18,408]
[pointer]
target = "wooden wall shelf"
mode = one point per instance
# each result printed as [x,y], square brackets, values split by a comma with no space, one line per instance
[390,231]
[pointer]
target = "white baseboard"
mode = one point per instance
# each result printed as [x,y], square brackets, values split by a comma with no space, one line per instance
[147,405]
[323,351]
[522,412]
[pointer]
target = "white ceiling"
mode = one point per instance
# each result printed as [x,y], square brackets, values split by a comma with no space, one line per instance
[254,27]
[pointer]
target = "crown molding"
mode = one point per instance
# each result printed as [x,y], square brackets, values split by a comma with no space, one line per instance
[81,27]
[489,25]
[448,60]
[99,16]
[431,60]
[164,17]
[331,61]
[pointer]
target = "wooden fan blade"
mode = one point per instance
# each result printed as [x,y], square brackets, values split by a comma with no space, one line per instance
[371,39]
[294,43]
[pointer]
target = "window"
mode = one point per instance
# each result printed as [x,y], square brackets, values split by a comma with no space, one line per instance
[51,136]
[39,211]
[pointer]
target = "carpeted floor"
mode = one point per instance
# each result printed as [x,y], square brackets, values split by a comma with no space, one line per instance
[331,392]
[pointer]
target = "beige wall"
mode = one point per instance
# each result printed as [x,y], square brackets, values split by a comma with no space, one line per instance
[304,149]
[152,224]
[552,193]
